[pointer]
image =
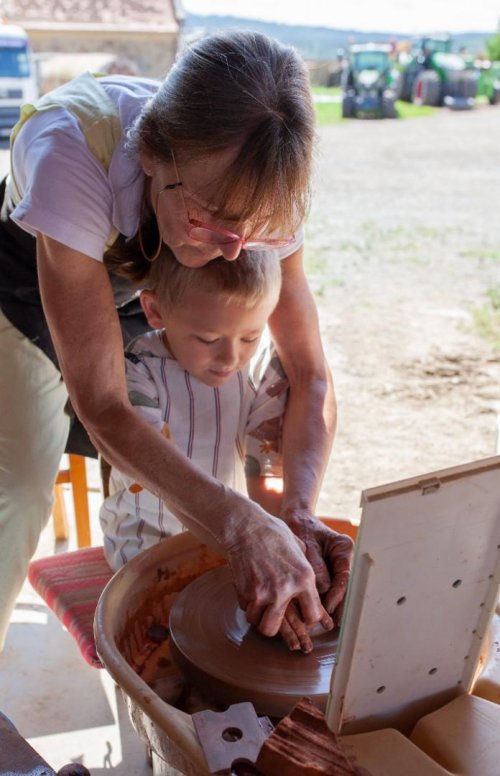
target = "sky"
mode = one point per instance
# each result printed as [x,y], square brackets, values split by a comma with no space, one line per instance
[407,16]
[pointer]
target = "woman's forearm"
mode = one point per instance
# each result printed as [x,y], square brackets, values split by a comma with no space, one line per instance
[310,417]
[210,509]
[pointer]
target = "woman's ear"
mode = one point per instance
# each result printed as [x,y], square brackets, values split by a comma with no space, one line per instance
[149,304]
[147,163]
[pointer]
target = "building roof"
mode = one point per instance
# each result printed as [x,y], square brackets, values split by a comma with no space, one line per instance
[113,13]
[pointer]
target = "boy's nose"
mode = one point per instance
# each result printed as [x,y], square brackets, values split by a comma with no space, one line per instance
[226,355]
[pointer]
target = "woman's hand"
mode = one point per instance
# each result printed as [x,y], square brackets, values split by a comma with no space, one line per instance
[327,551]
[329,554]
[270,569]
[280,573]
[274,607]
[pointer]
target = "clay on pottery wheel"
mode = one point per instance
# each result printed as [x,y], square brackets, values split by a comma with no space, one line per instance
[216,648]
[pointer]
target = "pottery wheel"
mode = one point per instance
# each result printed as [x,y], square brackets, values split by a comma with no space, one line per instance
[231,662]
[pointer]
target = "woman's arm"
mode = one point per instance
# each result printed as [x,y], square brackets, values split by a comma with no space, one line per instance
[268,564]
[311,409]
[308,430]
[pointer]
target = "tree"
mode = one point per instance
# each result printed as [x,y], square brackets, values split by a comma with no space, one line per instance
[493,47]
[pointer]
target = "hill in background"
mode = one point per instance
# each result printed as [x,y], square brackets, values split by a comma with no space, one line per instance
[316,43]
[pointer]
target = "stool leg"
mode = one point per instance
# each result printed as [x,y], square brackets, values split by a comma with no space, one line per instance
[105,475]
[80,499]
[59,515]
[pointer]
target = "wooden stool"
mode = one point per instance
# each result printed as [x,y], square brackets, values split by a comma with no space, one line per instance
[70,583]
[76,476]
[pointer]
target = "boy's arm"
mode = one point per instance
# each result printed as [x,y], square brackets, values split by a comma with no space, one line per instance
[263,430]
[266,491]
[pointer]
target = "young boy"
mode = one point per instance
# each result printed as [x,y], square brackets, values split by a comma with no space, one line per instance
[209,379]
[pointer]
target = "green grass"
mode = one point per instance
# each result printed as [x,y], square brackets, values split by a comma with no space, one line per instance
[328,113]
[328,90]
[483,254]
[487,317]
[408,111]
[331,112]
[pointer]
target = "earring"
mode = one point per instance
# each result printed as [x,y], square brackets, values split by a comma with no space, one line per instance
[141,245]
[139,234]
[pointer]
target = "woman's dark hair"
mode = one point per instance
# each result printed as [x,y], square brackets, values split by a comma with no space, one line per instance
[237,89]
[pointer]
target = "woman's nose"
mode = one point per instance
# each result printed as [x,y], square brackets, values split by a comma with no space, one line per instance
[230,251]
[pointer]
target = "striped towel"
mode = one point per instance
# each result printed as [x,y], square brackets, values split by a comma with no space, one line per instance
[70,583]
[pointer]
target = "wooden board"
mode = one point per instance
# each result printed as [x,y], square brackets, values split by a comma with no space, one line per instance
[423,590]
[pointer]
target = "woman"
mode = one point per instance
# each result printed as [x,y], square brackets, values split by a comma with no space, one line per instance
[216,158]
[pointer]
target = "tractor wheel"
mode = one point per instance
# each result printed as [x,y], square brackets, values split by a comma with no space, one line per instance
[402,91]
[348,107]
[388,108]
[494,98]
[427,89]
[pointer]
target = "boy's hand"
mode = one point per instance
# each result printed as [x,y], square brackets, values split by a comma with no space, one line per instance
[296,634]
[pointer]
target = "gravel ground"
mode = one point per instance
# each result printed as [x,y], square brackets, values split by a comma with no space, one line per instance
[403,246]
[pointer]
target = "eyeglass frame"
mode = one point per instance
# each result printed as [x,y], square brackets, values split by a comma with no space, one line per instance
[193,223]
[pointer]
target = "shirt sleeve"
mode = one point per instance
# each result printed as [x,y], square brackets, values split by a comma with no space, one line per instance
[65,192]
[143,396]
[263,434]
[143,391]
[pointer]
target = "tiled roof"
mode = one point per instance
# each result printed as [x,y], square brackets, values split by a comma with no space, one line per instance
[74,12]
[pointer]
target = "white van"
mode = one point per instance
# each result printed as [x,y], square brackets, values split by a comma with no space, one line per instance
[18,76]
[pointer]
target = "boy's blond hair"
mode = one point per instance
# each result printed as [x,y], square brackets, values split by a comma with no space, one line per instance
[252,276]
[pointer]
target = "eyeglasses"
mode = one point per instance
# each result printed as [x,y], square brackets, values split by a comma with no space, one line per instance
[216,235]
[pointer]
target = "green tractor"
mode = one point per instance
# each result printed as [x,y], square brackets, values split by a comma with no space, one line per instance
[368,82]
[431,74]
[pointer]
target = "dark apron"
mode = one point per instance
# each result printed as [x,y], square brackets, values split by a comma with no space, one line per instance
[21,303]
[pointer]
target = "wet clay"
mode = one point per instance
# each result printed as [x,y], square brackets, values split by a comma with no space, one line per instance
[216,648]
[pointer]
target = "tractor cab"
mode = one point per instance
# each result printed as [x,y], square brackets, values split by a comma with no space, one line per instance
[368,82]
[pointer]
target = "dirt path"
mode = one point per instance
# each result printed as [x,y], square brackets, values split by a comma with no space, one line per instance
[403,245]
